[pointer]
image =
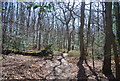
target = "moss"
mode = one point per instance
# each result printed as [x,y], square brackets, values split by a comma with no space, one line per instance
[45,52]
[14,50]
[74,53]
[31,51]
[56,53]
[63,50]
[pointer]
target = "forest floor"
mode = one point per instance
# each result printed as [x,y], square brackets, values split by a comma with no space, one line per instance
[33,67]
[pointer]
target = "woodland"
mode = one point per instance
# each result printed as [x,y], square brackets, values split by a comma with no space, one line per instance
[55,41]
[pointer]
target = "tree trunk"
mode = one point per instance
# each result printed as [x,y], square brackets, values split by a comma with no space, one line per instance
[82,50]
[73,34]
[16,32]
[107,47]
[117,52]
[39,41]
[4,20]
[88,31]
[68,38]
[11,18]
[116,57]
[81,73]
[39,32]
[28,20]
[117,15]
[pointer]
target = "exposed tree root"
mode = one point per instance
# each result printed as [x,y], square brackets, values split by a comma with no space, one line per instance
[93,71]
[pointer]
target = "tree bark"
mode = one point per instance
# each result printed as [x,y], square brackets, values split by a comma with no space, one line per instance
[117,52]
[88,31]
[68,38]
[117,15]
[82,50]
[116,57]
[81,73]
[107,47]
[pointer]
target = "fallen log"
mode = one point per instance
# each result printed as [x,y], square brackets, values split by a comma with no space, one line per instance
[28,53]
